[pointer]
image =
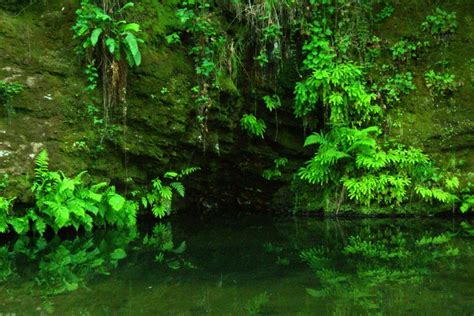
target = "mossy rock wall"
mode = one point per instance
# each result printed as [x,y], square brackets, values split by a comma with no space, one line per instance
[161,131]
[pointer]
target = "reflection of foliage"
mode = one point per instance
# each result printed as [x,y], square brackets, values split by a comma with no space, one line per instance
[60,266]
[65,265]
[386,257]
[378,247]
[160,241]
[73,263]
[255,305]
[317,258]
[6,264]
[279,251]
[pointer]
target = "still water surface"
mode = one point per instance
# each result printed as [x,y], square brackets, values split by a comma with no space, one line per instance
[248,266]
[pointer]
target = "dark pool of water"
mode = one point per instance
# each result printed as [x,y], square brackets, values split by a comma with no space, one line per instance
[248,266]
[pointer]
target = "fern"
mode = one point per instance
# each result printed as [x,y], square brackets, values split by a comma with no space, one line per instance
[41,168]
[272,103]
[352,158]
[187,171]
[64,202]
[467,204]
[253,126]
[178,187]
[160,197]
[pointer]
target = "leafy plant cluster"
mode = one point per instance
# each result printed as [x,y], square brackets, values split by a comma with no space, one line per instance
[209,54]
[58,266]
[406,50]
[385,13]
[253,126]
[397,86]
[353,159]
[335,84]
[441,83]
[441,23]
[270,174]
[108,43]
[267,21]
[99,30]
[63,202]
[7,91]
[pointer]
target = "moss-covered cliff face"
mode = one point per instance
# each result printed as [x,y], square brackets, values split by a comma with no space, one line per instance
[161,132]
[444,127]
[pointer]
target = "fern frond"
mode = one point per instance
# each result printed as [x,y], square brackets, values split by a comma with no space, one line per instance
[316,139]
[166,193]
[371,161]
[179,187]
[187,171]
[41,166]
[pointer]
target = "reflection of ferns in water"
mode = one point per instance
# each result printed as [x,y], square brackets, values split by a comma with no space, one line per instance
[316,258]
[65,265]
[384,258]
[256,304]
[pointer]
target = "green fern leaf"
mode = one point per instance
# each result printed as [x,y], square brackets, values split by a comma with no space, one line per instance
[179,187]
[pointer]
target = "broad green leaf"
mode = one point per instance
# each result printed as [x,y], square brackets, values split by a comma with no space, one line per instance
[313,292]
[134,27]
[98,186]
[116,201]
[126,6]
[171,174]
[97,262]
[95,35]
[118,254]
[131,42]
[94,196]
[111,44]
